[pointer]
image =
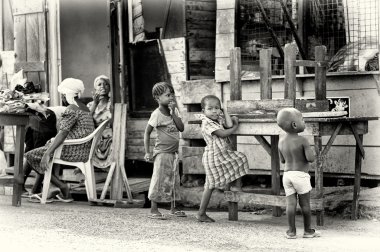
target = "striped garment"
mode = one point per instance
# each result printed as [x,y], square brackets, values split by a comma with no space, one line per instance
[221,163]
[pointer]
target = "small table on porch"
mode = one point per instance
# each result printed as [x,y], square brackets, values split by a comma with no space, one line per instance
[316,127]
[20,120]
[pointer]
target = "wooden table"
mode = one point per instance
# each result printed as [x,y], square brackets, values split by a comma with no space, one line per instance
[20,120]
[316,127]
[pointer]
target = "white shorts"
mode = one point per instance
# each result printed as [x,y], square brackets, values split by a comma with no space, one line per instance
[296,182]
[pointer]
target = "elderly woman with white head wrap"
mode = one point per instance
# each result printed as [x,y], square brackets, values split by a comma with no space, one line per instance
[101,110]
[76,122]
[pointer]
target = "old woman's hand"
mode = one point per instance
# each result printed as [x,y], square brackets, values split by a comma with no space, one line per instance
[45,161]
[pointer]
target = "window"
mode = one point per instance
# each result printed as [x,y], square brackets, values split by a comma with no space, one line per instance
[348,28]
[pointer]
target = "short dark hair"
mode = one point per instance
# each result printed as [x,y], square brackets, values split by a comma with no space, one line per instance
[160,87]
[208,97]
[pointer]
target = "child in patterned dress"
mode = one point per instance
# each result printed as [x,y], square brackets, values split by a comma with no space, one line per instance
[222,165]
[296,153]
[164,185]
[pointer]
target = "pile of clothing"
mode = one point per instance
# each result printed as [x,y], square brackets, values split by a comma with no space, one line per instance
[20,94]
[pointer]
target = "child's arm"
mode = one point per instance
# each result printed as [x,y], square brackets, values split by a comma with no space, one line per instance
[227,132]
[282,159]
[228,121]
[177,121]
[148,131]
[309,153]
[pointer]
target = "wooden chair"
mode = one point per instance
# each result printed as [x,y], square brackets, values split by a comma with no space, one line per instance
[86,167]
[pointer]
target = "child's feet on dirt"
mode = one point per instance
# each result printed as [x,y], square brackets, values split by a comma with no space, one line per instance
[291,235]
[311,234]
[204,218]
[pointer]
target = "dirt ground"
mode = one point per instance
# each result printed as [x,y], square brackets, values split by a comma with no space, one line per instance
[80,227]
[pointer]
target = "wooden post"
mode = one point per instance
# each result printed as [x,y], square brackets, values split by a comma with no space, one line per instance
[121,49]
[53,53]
[319,176]
[358,167]
[235,94]
[130,22]
[266,74]
[117,180]
[275,164]
[320,73]
[290,71]
[1,26]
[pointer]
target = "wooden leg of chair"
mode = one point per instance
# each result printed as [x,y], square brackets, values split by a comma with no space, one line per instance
[90,181]
[47,178]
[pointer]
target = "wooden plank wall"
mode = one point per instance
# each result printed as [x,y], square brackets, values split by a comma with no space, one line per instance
[340,159]
[30,40]
[175,54]
[225,38]
[200,33]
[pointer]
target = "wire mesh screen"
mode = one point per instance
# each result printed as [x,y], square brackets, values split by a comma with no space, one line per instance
[348,28]
[350,31]
[256,21]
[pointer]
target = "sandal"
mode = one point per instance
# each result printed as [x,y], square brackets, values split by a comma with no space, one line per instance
[178,213]
[61,199]
[157,216]
[36,198]
[204,218]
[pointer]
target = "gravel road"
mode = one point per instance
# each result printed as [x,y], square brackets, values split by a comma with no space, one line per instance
[80,227]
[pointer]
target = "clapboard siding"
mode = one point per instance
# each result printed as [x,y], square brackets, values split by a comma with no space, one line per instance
[200,34]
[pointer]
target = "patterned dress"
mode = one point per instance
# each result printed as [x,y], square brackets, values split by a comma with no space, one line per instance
[79,124]
[103,153]
[221,163]
[164,185]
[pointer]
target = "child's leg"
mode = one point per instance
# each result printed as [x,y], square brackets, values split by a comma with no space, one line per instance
[304,200]
[202,216]
[236,185]
[291,207]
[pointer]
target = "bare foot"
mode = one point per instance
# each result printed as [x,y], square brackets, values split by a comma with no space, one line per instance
[204,218]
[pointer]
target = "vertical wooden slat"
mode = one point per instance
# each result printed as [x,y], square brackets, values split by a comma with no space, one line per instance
[43,50]
[320,73]
[358,167]
[235,74]
[235,94]
[275,165]
[32,43]
[319,176]
[265,74]
[290,71]
[20,38]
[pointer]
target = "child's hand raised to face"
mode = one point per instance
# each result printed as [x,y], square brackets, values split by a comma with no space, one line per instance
[172,106]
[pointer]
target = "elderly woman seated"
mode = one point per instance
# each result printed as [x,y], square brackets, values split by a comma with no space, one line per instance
[76,122]
[101,110]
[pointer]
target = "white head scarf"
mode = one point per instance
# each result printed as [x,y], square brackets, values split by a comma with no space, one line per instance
[71,88]
[101,77]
